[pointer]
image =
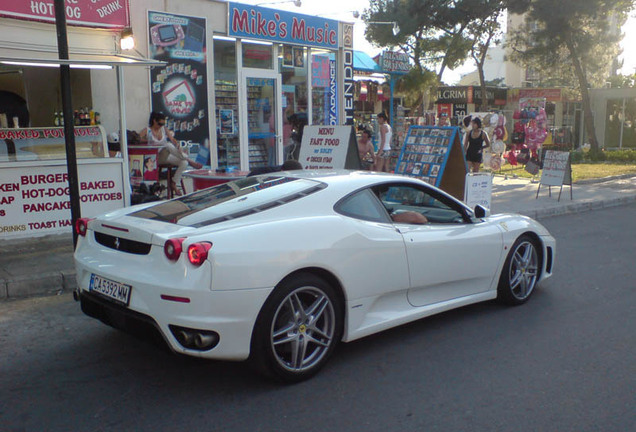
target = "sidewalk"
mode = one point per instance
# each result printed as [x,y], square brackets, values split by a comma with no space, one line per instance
[44,266]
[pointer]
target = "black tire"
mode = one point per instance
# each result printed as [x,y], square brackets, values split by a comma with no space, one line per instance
[289,343]
[520,272]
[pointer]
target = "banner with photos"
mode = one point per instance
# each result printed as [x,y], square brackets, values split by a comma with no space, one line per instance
[180,89]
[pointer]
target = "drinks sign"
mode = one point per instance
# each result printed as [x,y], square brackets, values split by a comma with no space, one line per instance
[273,25]
[85,13]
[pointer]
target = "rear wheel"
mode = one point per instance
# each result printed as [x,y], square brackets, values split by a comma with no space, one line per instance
[297,329]
[520,272]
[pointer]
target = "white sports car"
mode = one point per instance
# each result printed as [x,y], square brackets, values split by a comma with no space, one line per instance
[281,267]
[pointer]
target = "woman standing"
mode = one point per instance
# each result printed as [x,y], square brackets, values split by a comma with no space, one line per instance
[474,144]
[157,134]
[384,149]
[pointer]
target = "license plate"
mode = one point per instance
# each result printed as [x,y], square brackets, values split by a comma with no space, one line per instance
[118,292]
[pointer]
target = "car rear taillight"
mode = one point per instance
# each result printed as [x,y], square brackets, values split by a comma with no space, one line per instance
[81,226]
[198,252]
[173,248]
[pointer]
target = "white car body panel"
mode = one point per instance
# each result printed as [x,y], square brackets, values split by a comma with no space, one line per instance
[385,277]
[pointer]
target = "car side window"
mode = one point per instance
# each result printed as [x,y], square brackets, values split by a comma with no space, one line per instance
[362,205]
[405,203]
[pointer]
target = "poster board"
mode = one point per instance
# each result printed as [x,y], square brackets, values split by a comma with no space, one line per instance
[557,170]
[35,201]
[329,148]
[179,89]
[435,155]
[478,190]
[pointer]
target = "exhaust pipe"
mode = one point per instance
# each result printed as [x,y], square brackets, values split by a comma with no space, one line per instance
[194,339]
[185,337]
[204,341]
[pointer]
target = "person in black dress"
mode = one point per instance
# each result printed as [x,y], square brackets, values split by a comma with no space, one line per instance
[475,142]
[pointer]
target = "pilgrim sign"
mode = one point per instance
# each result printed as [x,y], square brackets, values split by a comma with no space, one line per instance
[329,148]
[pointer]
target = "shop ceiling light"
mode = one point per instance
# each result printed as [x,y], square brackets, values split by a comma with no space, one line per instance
[51,65]
[127,41]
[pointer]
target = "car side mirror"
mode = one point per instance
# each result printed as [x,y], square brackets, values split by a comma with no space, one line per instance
[481,212]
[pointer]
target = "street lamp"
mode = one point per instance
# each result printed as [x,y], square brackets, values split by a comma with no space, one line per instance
[396,27]
[297,3]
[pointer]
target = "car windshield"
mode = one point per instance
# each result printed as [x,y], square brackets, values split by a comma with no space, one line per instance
[231,200]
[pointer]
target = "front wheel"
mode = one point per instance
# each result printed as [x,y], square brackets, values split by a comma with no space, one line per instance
[520,272]
[297,329]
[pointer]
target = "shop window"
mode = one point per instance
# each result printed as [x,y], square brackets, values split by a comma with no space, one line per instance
[293,68]
[257,55]
[226,89]
[324,87]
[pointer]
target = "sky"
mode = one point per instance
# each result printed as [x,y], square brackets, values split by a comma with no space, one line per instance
[334,9]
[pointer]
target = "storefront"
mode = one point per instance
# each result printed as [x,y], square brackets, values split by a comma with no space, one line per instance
[33,174]
[260,76]
[237,83]
[454,103]
[563,110]
[614,117]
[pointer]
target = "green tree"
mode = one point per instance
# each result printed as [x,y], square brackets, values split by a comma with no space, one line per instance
[579,36]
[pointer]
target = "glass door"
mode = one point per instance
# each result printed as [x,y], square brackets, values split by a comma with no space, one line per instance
[262,121]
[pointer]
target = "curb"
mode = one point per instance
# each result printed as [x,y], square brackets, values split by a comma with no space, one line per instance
[45,284]
[604,179]
[580,207]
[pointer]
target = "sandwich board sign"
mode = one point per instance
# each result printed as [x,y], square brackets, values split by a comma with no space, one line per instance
[557,171]
[478,190]
[329,148]
[435,155]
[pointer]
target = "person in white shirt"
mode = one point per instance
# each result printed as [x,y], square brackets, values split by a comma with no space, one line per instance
[384,149]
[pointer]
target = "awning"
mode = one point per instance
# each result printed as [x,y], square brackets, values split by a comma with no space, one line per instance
[377,78]
[364,63]
[26,57]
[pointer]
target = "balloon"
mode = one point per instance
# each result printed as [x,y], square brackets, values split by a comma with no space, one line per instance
[495,163]
[498,146]
[494,119]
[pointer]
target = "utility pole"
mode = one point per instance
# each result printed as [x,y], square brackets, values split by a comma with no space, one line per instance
[67,109]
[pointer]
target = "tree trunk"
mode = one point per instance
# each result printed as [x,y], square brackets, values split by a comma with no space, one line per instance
[590,128]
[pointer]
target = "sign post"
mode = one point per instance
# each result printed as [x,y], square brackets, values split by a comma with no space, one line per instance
[557,171]
[478,190]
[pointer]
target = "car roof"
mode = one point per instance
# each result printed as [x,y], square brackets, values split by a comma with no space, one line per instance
[348,179]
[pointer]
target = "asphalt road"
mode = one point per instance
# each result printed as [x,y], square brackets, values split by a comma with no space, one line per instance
[565,361]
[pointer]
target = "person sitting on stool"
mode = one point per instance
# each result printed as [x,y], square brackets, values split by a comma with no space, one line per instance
[157,134]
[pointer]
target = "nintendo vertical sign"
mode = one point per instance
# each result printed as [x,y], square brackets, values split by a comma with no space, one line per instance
[348,73]
[180,89]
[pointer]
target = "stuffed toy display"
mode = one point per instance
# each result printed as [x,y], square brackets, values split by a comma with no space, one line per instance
[530,130]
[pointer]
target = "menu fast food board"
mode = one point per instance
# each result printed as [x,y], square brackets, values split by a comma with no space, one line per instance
[435,155]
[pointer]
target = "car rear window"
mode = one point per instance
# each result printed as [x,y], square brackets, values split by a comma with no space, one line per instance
[231,200]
